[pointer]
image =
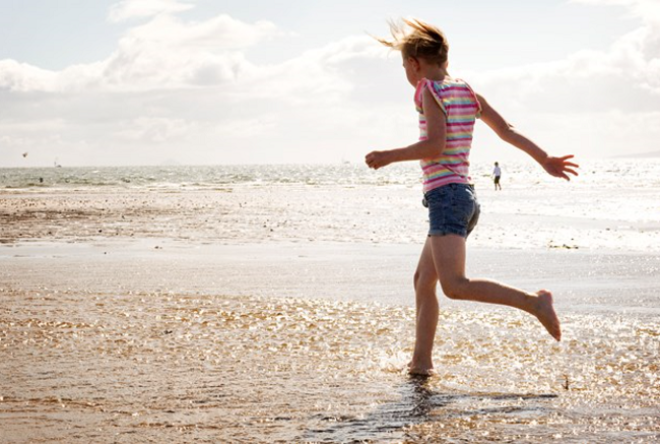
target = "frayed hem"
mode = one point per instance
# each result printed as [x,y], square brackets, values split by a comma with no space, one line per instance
[445,233]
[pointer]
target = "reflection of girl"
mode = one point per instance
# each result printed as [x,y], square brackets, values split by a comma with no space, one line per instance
[447,111]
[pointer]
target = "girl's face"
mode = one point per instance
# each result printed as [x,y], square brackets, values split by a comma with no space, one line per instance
[411,65]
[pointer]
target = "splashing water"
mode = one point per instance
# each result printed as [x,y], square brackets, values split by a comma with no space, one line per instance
[83,367]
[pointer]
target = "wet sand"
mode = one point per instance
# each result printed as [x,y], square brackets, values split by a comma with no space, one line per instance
[79,366]
[586,219]
[584,281]
[172,336]
[123,342]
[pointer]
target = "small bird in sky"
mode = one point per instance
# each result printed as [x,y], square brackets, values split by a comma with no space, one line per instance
[25,154]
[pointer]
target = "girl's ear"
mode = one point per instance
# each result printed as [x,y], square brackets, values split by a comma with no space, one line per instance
[414,63]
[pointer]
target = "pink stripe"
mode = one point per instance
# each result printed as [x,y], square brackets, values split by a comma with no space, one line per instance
[459,88]
[437,183]
[459,155]
[462,106]
[434,167]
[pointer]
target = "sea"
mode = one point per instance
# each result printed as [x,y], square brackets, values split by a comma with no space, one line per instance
[630,174]
[611,205]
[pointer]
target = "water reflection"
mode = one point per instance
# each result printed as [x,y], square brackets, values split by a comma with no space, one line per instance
[386,422]
[424,405]
[420,397]
[173,368]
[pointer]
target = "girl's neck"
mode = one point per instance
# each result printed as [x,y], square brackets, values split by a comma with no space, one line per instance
[435,73]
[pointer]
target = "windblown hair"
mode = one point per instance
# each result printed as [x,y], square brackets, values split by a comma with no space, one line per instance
[417,39]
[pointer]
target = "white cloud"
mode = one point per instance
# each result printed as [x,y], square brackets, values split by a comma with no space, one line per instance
[625,77]
[173,83]
[592,103]
[646,10]
[217,33]
[15,76]
[163,53]
[155,129]
[319,76]
[129,9]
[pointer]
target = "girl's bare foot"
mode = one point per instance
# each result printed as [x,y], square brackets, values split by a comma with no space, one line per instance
[545,313]
[420,371]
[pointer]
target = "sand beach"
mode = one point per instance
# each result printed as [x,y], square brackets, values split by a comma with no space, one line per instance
[283,312]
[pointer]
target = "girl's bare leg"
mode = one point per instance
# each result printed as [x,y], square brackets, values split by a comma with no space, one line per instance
[449,258]
[426,303]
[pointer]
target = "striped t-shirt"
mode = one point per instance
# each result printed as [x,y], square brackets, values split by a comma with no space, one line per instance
[460,105]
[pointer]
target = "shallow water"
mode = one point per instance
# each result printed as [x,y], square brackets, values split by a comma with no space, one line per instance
[336,203]
[115,327]
[591,219]
[159,367]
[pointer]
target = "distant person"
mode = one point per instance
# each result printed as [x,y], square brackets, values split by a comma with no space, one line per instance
[448,108]
[497,174]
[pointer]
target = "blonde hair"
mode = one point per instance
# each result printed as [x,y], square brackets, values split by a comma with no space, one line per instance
[419,40]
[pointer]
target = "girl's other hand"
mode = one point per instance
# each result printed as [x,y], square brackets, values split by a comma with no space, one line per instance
[378,159]
[559,166]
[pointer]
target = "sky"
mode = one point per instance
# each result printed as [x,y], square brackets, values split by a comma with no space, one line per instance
[202,82]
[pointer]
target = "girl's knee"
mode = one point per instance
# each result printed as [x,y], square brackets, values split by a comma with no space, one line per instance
[424,280]
[455,288]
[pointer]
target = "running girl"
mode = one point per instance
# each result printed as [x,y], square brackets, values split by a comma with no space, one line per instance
[447,110]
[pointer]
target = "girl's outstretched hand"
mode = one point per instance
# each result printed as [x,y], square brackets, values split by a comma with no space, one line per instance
[378,159]
[560,166]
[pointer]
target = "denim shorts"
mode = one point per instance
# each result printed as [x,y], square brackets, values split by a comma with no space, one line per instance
[453,209]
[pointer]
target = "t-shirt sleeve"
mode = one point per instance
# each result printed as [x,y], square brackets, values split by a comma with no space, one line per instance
[476,100]
[419,95]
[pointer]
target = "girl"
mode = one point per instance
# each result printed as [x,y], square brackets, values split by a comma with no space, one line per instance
[447,111]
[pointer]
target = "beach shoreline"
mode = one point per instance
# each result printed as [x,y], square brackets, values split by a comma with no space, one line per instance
[380,273]
[598,219]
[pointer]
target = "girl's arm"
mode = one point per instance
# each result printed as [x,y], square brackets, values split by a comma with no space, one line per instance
[432,147]
[555,166]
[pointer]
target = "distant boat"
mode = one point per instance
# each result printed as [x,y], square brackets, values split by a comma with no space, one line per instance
[57,165]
